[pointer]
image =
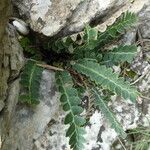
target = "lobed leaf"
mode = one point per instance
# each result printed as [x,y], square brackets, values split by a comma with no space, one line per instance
[106,78]
[108,114]
[121,54]
[30,81]
[127,20]
[70,102]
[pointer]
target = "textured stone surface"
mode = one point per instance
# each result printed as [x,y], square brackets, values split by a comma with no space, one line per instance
[11,56]
[99,135]
[145,19]
[4,51]
[16,55]
[28,123]
[50,17]
[14,61]
[41,127]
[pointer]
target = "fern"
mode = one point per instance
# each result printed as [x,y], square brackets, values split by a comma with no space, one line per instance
[127,20]
[106,78]
[30,80]
[84,51]
[70,103]
[91,38]
[107,113]
[121,54]
[26,45]
[30,48]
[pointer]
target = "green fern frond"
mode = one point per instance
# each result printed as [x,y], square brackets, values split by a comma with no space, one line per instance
[88,55]
[70,103]
[89,42]
[89,39]
[126,21]
[121,54]
[107,113]
[30,81]
[26,45]
[106,78]
[65,44]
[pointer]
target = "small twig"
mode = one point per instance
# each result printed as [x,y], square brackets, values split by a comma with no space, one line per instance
[131,147]
[50,67]
[143,41]
[121,143]
[144,97]
[141,77]
[78,76]
[140,41]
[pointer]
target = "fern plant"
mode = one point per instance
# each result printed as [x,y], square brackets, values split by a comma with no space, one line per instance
[70,103]
[101,104]
[86,68]
[30,80]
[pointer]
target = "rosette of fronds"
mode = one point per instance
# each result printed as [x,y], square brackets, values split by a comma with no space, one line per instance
[86,68]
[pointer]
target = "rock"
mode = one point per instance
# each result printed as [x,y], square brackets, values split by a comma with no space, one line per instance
[100,135]
[8,116]
[145,20]
[41,127]
[13,64]
[16,56]
[4,50]
[13,61]
[2,104]
[66,16]
[26,124]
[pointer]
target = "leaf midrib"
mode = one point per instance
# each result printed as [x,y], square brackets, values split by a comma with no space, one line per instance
[121,53]
[106,108]
[105,78]
[30,82]
[69,106]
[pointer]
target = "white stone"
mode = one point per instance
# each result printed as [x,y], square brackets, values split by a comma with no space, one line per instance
[49,17]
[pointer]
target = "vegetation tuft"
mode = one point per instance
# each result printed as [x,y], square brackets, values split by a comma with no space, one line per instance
[85,66]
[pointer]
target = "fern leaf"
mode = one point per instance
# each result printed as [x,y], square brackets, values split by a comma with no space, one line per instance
[121,54]
[70,103]
[89,38]
[88,55]
[30,80]
[106,78]
[108,114]
[112,32]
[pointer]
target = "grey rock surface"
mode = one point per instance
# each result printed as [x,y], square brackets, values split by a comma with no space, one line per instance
[99,134]
[41,127]
[16,55]
[13,60]
[65,16]
[25,123]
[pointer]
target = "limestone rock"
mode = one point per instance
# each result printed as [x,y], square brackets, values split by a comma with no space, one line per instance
[145,19]
[41,127]
[13,60]
[66,16]
[28,123]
